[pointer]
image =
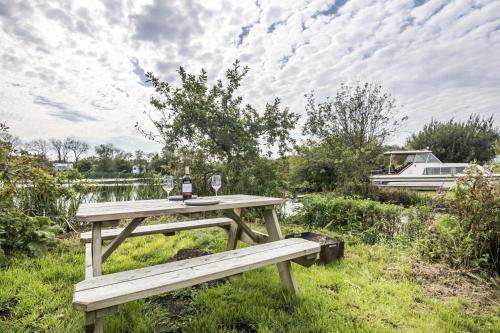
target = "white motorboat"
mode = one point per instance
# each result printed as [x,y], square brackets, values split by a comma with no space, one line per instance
[418,169]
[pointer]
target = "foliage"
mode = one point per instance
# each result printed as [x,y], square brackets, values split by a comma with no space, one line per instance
[414,224]
[214,119]
[397,196]
[351,130]
[456,141]
[211,130]
[469,235]
[358,116]
[370,220]
[20,232]
[312,170]
[26,192]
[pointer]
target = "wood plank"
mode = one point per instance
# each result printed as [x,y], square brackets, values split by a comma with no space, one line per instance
[262,237]
[235,214]
[96,249]
[88,261]
[117,293]
[179,265]
[233,236]
[108,234]
[98,212]
[121,237]
[284,268]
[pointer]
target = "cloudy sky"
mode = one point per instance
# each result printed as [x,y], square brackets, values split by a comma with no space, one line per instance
[76,68]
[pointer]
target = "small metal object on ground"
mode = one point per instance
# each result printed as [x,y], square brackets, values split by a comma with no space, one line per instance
[331,248]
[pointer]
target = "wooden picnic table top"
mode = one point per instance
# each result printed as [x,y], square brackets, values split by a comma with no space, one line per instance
[108,211]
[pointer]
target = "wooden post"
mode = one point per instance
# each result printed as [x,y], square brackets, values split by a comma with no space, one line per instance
[233,235]
[284,268]
[235,214]
[96,249]
[96,271]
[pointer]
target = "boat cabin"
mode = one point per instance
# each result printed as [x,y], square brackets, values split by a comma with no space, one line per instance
[419,162]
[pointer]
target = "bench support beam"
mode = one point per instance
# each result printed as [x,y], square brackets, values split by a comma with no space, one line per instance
[235,214]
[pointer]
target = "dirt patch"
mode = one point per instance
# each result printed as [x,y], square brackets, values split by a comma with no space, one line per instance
[443,282]
[332,287]
[188,253]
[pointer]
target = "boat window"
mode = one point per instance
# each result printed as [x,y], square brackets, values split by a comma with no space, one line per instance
[446,171]
[420,158]
[426,158]
[459,169]
[432,171]
[409,159]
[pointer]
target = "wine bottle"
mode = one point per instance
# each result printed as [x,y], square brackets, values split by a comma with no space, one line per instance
[187,185]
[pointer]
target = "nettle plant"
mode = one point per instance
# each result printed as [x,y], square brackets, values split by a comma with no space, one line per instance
[468,235]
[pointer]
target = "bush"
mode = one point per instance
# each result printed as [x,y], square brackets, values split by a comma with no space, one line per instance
[30,196]
[415,224]
[19,232]
[370,220]
[397,196]
[469,235]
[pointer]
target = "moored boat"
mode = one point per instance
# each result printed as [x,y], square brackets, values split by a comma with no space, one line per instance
[418,169]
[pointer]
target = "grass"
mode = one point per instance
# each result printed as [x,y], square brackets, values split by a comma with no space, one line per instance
[371,290]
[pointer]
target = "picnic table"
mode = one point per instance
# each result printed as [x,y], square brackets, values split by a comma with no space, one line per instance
[98,295]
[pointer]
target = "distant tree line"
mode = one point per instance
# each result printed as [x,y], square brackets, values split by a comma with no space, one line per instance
[105,160]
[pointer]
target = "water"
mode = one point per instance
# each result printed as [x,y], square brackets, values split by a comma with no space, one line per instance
[136,190]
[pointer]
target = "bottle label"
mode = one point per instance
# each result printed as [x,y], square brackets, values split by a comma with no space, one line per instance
[187,188]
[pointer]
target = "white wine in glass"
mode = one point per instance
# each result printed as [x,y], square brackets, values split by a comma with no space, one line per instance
[216,183]
[168,185]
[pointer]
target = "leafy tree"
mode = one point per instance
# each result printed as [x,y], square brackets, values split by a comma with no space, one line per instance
[312,169]
[350,131]
[215,119]
[359,115]
[456,141]
[84,165]
[105,154]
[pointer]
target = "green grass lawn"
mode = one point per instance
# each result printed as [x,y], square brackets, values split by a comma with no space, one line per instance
[371,290]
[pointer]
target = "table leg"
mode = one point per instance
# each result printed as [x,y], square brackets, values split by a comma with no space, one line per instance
[97,265]
[284,268]
[232,236]
[96,249]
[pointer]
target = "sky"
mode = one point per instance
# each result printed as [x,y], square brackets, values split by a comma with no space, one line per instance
[77,68]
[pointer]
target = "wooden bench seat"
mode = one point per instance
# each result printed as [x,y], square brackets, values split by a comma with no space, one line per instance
[168,228]
[106,291]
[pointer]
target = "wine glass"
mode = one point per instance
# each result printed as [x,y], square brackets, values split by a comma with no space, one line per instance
[168,185]
[216,183]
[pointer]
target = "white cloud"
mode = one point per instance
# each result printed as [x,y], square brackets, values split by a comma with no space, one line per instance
[76,68]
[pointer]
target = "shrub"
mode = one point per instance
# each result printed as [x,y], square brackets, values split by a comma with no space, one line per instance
[19,232]
[370,220]
[415,224]
[397,196]
[29,197]
[469,235]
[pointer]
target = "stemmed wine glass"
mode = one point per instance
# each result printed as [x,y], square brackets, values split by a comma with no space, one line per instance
[216,183]
[168,185]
